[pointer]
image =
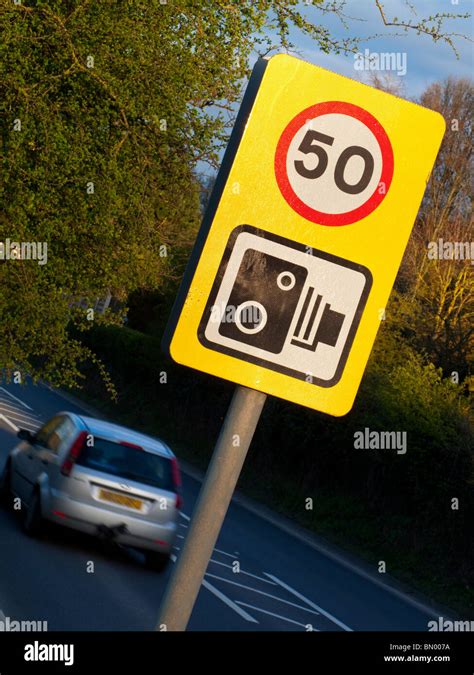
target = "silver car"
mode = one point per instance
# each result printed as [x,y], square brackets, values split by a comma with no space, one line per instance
[100,478]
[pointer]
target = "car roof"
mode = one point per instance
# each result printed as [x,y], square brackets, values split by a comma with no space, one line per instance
[117,433]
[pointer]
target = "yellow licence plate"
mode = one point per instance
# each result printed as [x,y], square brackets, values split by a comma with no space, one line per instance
[123,500]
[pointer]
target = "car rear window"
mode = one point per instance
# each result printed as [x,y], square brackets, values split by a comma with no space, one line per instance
[128,462]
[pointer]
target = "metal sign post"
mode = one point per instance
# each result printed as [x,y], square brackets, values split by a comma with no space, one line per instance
[211,507]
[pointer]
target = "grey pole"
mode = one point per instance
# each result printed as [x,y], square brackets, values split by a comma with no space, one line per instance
[211,506]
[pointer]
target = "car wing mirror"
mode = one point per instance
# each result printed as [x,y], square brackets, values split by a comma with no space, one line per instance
[26,435]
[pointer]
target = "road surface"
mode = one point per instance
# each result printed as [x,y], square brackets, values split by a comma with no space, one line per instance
[260,577]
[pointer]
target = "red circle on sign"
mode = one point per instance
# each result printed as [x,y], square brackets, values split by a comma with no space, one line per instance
[281,174]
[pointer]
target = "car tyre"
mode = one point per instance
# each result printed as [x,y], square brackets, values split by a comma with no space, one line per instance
[156,561]
[33,520]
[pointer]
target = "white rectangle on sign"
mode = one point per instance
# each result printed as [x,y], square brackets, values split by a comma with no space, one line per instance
[286,306]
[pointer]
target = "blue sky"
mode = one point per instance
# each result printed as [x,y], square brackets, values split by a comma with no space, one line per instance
[427,61]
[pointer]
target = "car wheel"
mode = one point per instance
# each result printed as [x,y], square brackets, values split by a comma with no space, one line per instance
[5,485]
[33,521]
[156,561]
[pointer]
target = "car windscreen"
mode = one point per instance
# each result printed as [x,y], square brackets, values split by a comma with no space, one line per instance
[127,462]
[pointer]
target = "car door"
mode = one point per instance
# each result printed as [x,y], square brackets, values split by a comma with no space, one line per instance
[32,460]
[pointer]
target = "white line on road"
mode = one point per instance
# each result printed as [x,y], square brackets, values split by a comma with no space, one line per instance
[254,576]
[268,595]
[16,399]
[228,602]
[231,555]
[10,423]
[23,425]
[184,516]
[310,603]
[180,536]
[4,403]
[21,417]
[183,525]
[277,616]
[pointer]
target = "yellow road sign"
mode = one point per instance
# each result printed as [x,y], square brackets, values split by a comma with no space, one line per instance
[305,232]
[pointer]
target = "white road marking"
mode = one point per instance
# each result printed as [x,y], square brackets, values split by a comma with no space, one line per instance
[228,602]
[182,525]
[29,428]
[184,516]
[180,536]
[217,562]
[310,603]
[33,430]
[233,556]
[10,423]
[277,616]
[311,541]
[22,417]
[16,399]
[4,403]
[268,595]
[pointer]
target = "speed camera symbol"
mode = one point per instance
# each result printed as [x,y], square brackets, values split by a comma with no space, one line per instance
[275,304]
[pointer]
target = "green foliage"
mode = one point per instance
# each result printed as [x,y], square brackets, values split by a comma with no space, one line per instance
[100,169]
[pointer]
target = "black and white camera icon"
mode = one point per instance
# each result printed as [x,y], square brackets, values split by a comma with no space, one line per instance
[285,306]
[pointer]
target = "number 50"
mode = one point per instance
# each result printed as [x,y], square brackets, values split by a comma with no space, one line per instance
[308,146]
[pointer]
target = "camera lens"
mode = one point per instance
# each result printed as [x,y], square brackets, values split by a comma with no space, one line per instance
[286,281]
[251,317]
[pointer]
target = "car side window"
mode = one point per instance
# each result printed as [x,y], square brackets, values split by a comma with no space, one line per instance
[46,430]
[62,435]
